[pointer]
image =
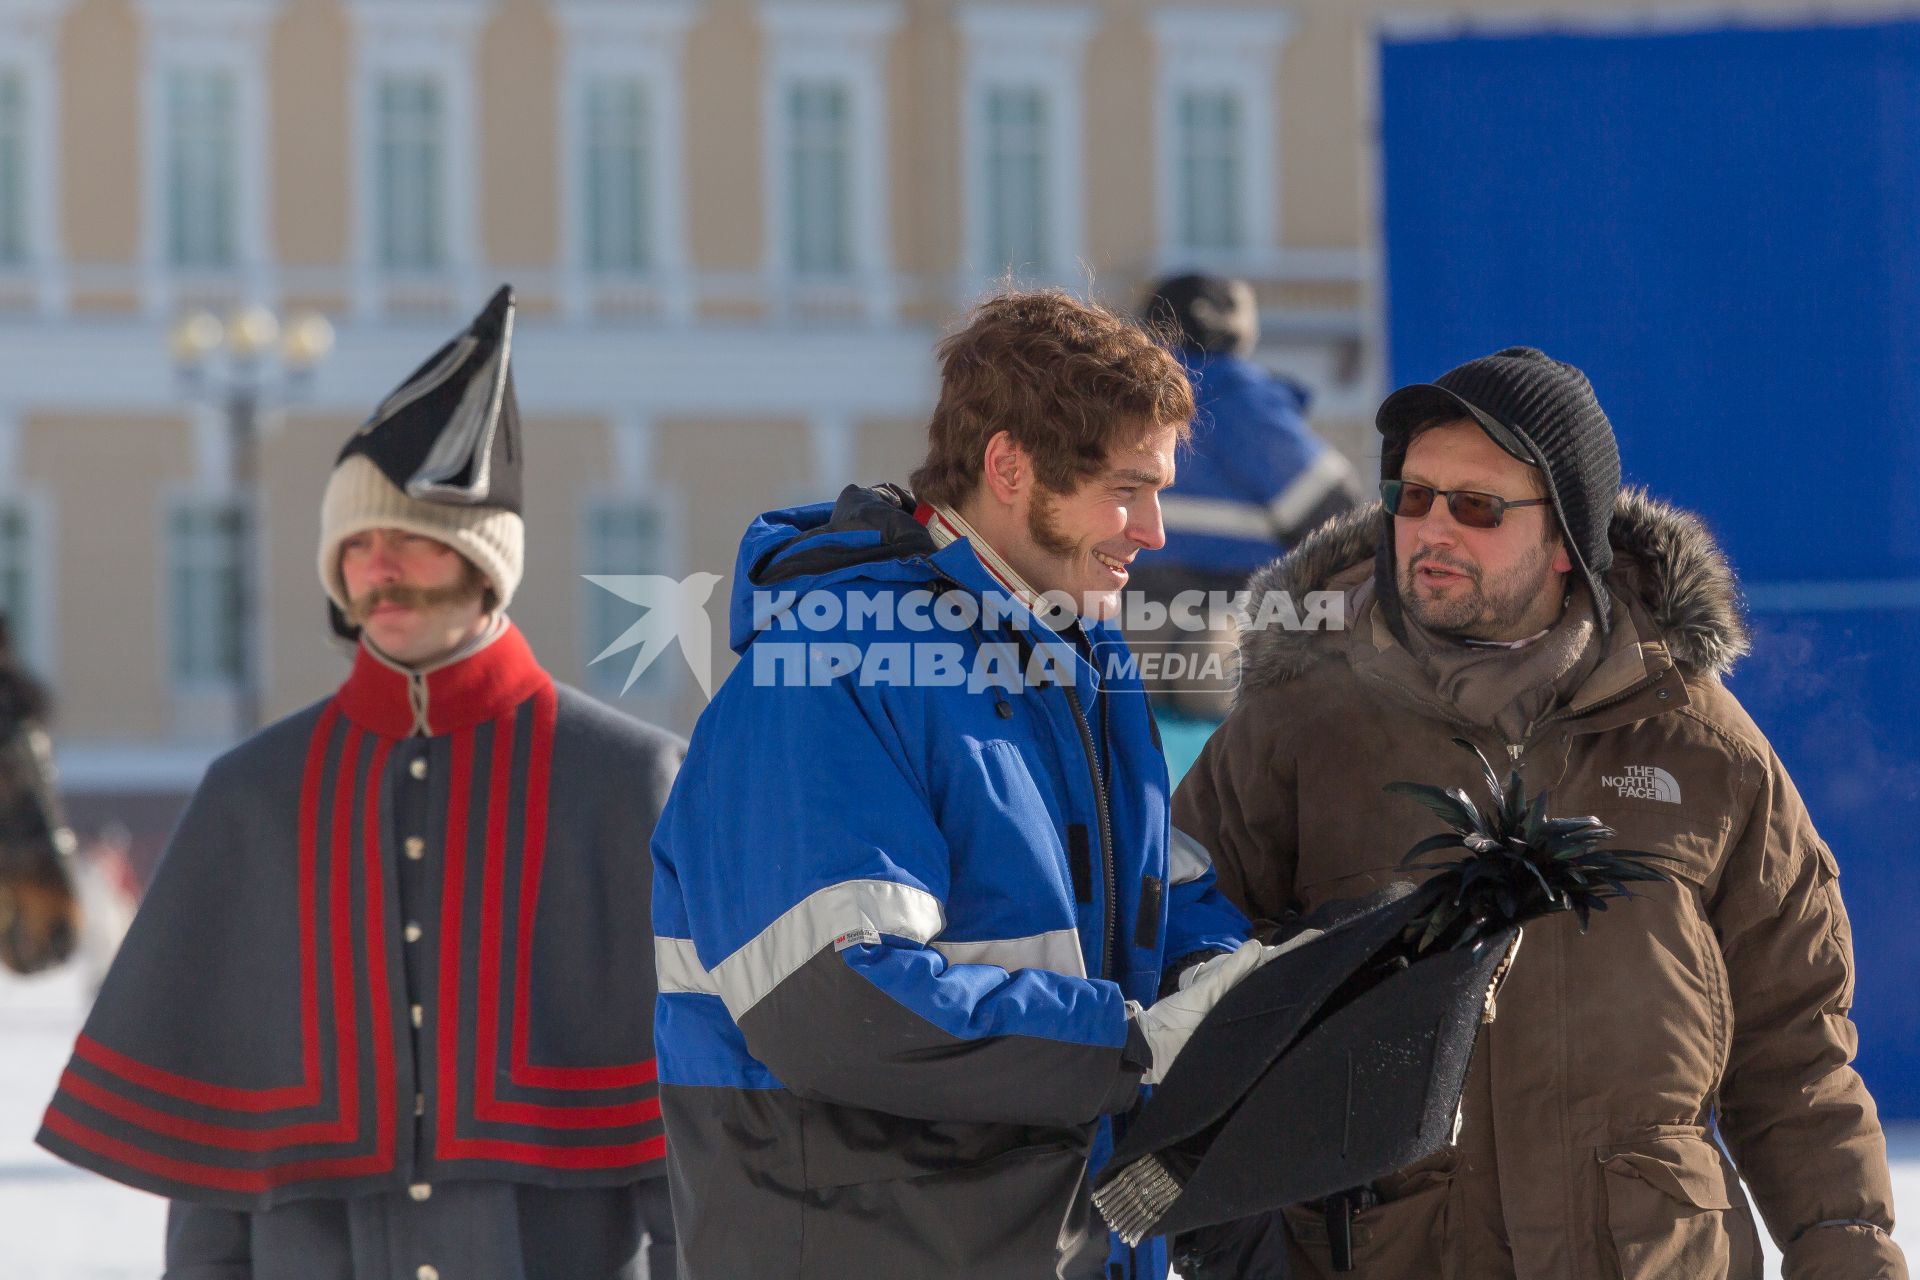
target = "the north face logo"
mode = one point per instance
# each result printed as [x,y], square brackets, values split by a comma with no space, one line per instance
[1643,782]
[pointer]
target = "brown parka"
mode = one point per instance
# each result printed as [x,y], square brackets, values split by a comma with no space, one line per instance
[1586,1150]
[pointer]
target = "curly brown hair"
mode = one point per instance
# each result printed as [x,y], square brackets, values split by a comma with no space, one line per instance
[1068,380]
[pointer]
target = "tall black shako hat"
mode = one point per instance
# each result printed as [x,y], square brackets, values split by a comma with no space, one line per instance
[439,457]
[1543,412]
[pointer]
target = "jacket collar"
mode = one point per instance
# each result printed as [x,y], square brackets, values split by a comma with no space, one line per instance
[468,689]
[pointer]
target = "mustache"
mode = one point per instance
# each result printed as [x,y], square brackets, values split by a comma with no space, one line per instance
[411,597]
[1471,573]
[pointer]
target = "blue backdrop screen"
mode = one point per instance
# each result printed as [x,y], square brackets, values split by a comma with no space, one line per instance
[1723,229]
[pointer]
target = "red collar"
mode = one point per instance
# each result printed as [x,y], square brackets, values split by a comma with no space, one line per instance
[379,697]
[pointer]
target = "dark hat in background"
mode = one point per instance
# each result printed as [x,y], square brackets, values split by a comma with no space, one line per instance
[441,458]
[1213,314]
[1543,412]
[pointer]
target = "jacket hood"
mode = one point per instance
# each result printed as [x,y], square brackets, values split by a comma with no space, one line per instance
[865,532]
[1664,558]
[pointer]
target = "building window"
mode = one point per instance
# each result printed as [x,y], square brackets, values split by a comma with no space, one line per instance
[1212,171]
[619,196]
[819,178]
[16,571]
[202,167]
[622,537]
[14,246]
[1016,178]
[410,175]
[206,598]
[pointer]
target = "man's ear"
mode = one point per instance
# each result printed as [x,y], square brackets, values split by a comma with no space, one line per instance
[1562,562]
[1006,468]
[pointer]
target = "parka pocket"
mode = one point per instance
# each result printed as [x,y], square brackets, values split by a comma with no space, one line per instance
[1668,1208]
[1394,1239]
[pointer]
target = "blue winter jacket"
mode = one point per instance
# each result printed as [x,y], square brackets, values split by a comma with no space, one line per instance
[1255,478]
[898,917]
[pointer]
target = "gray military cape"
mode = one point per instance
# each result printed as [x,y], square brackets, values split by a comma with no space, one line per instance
[399,937]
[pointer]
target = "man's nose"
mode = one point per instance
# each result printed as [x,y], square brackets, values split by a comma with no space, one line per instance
[382,565]
[1145,524]
[1437,527]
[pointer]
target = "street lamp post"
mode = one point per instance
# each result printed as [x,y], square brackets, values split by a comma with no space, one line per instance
[244,366]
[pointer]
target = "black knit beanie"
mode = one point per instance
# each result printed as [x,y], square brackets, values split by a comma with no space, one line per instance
[1543,412]
[1210,318]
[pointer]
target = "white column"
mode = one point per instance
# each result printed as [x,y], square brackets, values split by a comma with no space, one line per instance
[832,442]
[212,449]
[635,446]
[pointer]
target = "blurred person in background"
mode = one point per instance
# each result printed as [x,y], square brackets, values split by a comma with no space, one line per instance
[387,1007]
[39,907]
[1509,593]
[1253,480]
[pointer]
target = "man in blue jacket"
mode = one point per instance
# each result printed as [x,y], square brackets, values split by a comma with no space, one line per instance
[1258,479]
[914,901]
[1255,481]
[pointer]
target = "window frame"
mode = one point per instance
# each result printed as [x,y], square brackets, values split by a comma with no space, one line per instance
[653,695]
[35,639]
[642,41]
[1236,53]
[437,41]
[844,42]
[29,48]
[424,133]
[224,37]
[1041,51]
[185,677]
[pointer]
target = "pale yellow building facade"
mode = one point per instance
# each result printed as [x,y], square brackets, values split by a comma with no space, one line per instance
[737,228]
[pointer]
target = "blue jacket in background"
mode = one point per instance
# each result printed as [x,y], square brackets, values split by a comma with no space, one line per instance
[1255,478]
[898,920]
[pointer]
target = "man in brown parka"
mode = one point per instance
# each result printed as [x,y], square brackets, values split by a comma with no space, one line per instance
[1509,593]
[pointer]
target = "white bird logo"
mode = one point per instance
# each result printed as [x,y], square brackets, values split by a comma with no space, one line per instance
[676,609]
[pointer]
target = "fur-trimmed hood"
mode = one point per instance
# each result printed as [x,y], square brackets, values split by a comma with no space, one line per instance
[1663,556]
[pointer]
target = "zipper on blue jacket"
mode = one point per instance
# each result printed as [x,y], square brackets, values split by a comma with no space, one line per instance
[1106,829]
[1101,805]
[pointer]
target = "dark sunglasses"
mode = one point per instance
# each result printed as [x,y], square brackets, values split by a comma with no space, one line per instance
[1474,510]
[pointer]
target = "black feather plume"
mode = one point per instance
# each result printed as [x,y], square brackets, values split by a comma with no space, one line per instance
[1518,864]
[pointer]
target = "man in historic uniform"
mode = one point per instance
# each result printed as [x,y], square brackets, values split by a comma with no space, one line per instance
[387,1010]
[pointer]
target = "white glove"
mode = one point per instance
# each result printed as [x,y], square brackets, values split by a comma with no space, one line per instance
[1220,960]
[1172,1020]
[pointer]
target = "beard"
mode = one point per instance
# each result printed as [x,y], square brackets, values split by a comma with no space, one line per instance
[1043,526]
[471,586]
[1487,608]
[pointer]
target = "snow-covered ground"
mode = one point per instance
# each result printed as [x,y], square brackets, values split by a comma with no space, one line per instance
[57,1223]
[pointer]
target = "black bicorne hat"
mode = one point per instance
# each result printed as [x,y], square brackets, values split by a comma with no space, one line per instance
[1330,1066]
[451,432]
